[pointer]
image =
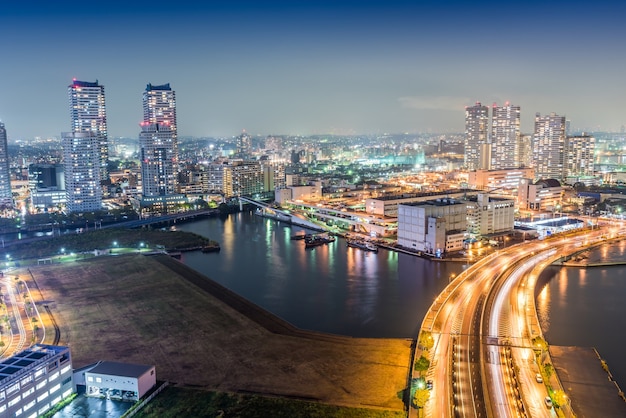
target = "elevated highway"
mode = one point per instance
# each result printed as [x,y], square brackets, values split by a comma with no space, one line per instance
[484,361]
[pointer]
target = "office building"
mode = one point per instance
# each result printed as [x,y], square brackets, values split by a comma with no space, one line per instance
[159,107]
[505,137]
[6,196]
[476,137]
[46,183]
[88,114]
[544,195]
[33,381]
[549,146]
[81,153]
[490,215]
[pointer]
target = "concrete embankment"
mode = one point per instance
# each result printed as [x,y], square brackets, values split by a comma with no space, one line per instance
[592,390]
[592,264]
[254,312]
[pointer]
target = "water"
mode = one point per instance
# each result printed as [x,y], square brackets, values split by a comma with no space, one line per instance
[351,292]
[586,308]
[331,288]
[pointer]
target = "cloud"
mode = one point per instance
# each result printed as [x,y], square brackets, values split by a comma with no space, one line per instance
[434,102]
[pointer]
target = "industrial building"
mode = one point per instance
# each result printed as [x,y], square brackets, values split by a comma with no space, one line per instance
[121,381]
[433,227]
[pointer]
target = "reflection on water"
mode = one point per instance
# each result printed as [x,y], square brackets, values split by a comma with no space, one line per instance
[585,308]
[348,291]
[331,288]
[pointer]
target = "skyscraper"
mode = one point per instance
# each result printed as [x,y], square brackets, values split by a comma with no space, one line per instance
[81,155]
[6,198]
[505,137]
[158,142]
[476,130]
[549,146]
[88,114]
[157,163]
[159,106]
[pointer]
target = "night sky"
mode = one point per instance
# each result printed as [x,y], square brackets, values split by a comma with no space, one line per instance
[313,67]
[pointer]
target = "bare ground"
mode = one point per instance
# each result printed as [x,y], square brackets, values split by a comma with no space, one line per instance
[149,310]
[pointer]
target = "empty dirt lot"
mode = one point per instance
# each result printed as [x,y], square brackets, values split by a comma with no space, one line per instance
[154,310]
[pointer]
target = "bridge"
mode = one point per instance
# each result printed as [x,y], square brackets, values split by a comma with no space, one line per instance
[173,217]
[281,215]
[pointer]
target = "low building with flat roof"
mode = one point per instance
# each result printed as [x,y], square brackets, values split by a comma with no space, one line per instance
[123,381]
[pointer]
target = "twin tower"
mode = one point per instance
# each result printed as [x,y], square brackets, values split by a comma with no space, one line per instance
[86,147]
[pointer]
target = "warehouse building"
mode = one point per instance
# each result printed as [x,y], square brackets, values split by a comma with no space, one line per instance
[119,381]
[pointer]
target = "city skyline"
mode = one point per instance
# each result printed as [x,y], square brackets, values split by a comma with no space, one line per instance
[344,67]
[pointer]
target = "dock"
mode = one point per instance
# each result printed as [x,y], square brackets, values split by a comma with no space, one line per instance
[591,389]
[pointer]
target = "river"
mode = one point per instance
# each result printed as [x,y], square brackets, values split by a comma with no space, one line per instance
[348,291]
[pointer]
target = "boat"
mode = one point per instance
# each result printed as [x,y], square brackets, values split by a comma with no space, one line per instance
[353,243]
[363,245]
[211,249]
[300,236]
[317,240]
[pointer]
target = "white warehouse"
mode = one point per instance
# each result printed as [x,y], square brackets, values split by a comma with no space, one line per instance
[121,381]
[433,227]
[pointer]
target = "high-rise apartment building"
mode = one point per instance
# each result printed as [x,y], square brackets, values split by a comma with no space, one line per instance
[157,160]
[549,146]
[526,150]
[215,176]
[476,137]
[158,143]
[244,145]
[81,153]
[159,106]
[6,197]
[88,114]
[505,137]
[579,155]
[243,178]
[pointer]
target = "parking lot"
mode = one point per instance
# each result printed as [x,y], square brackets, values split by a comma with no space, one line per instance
[83,406]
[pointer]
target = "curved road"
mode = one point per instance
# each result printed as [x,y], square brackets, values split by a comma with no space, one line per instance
[483,363]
